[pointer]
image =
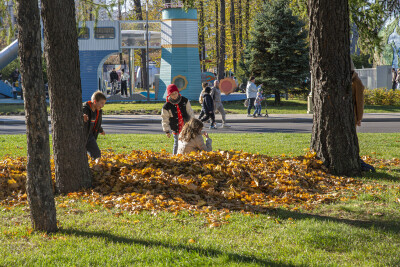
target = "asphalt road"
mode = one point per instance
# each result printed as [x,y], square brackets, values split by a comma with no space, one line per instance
[269,127]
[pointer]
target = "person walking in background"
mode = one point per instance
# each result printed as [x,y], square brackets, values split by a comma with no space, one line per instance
[190,139]
[175,113]
[251,94]
[208,108]
[257,103]
[216,96]
[113,80]
[14,76]
[394,76]
[204,86]
[124,82]
[398,79]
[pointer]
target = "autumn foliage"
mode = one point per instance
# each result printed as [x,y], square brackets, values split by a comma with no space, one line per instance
[197,182]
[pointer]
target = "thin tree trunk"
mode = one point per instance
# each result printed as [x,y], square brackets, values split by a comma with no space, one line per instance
[62,57]
[143,67]
[240,26]
[120,18]
[247,19]
[233,33]
[202,50]
[217,48]
[221,65]
[39,187]
[334,136]
[277,98]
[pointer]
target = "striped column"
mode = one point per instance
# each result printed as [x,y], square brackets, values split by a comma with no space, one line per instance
[180,62]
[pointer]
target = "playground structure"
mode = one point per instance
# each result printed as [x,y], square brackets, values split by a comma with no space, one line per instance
[176,35]
[98,40]
[7,55]
[180,63]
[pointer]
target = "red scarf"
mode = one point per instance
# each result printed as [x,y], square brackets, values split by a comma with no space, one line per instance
[97,117]
[180,117]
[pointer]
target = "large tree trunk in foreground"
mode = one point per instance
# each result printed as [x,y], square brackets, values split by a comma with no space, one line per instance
[62,56]
[334,136]
[39,187]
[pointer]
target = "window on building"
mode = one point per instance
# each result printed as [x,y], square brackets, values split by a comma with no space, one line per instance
[83,33]
[104,33]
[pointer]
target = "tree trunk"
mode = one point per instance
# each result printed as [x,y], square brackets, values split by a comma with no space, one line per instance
[143,67]
[334,136]
[233,33]
[62,57]
[39,187]
[120,18]
[217,33]
[277,98]
[221,63]
[202,45]
[247,19]
[240,27]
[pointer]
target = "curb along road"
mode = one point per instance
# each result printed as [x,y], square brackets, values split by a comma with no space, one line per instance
[274,118]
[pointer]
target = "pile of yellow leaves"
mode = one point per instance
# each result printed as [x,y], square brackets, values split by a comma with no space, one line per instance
[197,182]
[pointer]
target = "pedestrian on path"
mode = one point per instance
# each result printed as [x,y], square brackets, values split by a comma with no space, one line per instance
[394,76]
[251,94]
[204,86]
[216,95]
[190,139]
[124,81]
[175,113]
[257,103]
[114,81]
[208,108]
[398,78]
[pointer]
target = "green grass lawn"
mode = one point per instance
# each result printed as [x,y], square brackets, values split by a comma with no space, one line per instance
[382,145]
[288,107]
[353,232]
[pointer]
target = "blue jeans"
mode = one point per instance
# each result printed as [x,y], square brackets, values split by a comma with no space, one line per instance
[257,110]
[175,147]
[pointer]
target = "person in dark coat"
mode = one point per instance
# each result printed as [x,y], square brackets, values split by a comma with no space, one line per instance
[208,107]
[114,81]
[92,117]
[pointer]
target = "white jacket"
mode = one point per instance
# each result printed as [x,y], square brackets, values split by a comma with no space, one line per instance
[251,90]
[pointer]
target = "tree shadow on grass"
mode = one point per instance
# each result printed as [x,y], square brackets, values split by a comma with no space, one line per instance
[207,252]
[380,175]
[392,226]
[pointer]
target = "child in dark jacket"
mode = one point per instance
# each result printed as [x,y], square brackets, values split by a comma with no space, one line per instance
[208,107]
[92,117]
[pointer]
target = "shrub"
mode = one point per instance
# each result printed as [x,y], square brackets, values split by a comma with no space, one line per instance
[381,96]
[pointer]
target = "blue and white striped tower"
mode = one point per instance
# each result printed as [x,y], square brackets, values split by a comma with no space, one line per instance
[180,63]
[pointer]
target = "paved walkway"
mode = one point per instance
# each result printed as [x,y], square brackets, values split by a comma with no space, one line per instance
[231,118]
